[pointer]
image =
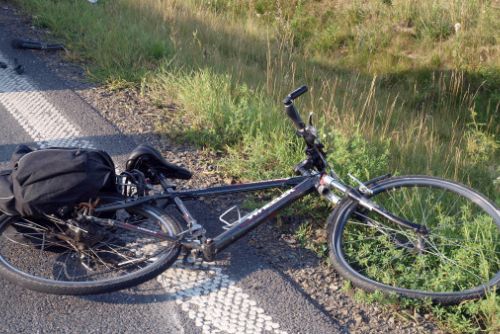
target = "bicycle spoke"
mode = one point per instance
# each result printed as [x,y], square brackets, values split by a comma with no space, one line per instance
[380,227]
[460,250]
[455,263]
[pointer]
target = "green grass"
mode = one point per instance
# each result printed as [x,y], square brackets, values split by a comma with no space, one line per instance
[446,266]
[393,86]
[122,49]
[305,235]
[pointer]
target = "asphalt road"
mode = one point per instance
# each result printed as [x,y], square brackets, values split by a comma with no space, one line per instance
[239,293]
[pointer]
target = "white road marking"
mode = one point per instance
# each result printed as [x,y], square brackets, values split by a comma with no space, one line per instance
[213,300]
[46,125]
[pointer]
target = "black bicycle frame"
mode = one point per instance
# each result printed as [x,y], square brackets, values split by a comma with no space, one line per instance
[302,186]
[258,216]
[214,191]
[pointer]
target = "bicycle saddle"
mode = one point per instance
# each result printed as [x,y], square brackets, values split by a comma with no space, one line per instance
[144,157]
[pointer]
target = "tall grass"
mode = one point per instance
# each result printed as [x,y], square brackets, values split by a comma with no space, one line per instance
[393,35]
[124,48]
[393,84]
[428,121]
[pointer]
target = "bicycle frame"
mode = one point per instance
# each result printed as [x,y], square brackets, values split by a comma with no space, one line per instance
[314,176]
[301,186]
[258,216]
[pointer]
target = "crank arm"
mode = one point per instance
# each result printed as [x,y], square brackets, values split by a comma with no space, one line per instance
[193,244]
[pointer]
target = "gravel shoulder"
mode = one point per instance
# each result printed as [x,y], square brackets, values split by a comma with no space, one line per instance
[134,115]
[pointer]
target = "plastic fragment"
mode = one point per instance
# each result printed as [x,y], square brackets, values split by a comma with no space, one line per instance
[18,43]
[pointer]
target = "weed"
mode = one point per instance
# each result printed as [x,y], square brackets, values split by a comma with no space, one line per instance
[306,236]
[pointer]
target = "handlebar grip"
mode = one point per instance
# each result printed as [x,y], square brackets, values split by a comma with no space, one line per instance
[295,94]
[298,92]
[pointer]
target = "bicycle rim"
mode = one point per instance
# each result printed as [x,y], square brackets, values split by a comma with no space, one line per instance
[459,258]
[30,255]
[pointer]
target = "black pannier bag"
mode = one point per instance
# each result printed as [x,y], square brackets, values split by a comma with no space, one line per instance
[7,202]
[46,180]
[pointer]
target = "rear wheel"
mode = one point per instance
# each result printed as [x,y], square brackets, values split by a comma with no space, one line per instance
[37,255]
[459,259]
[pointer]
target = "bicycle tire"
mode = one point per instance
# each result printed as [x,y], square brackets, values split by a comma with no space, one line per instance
[371,271]
[57,285]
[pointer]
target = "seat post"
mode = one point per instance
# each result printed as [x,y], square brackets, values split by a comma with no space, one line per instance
[191,222]
[165,183]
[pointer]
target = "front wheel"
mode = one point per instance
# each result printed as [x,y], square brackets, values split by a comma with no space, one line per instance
[40,256]
[458,259]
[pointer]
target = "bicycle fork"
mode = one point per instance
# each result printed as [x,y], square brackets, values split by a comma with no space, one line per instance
[328,183]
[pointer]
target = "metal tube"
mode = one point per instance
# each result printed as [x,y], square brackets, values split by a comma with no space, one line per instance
[235,188]
[258,216]
[214,191]
[333,183]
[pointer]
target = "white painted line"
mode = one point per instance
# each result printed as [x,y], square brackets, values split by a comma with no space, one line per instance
[214,302]
[46,125]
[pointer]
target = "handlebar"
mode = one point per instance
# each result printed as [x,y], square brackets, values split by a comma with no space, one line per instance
[315,154]
[290,109]
[295,94]
[294,115]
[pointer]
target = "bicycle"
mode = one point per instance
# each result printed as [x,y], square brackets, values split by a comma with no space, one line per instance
[414,236]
